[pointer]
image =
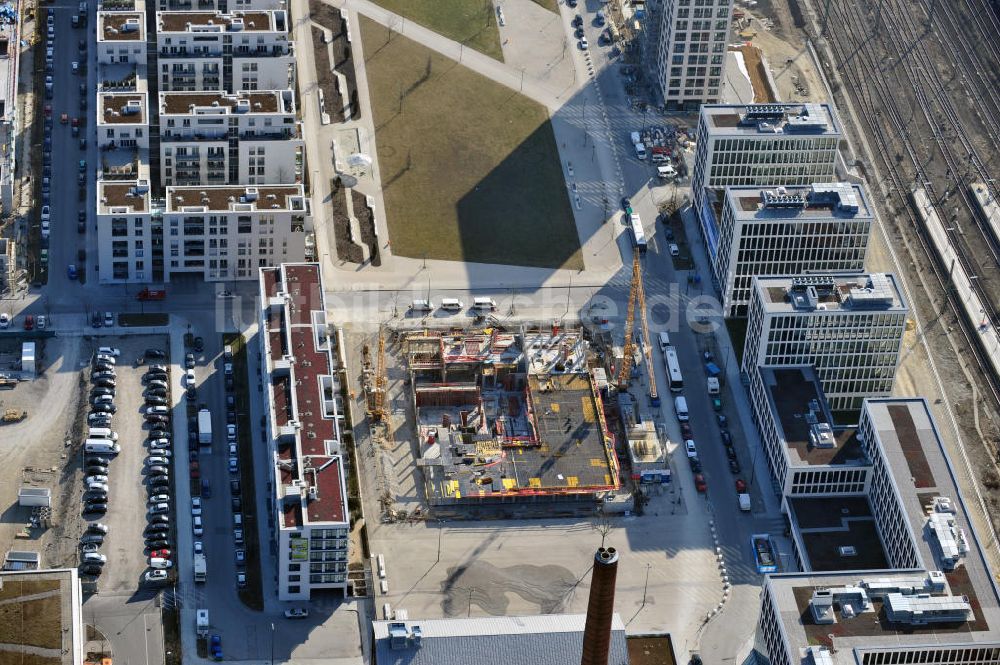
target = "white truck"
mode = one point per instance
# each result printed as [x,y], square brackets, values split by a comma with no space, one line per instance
[200,568]
[205,427]
[202,623]
[744,499]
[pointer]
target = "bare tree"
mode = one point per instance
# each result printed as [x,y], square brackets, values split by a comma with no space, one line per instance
[603,526]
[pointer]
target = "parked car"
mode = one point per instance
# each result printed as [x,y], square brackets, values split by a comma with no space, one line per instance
[155,354]
[196,505]
[196,526]
[241,580]
[241,558]
[92,538]
[160,564]
[155,577]
[158,471]
[100,508]
[154,543]
[296,613]
[215,647]
[699,483]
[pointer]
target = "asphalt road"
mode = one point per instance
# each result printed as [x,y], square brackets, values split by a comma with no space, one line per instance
[64,240]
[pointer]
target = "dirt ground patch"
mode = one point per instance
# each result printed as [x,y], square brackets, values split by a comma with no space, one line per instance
[785,53]
[35,623]
[752,58]
[470,169]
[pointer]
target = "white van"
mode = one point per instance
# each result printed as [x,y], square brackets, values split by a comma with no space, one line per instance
[422,306]
[681,407]
[102,433]
[713,385]
[666,172]
[451,304]
[101,446]
[659,158]
[640,151]
[484,303]
[664,341]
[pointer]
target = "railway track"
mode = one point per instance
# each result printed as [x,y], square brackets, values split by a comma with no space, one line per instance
[858,54]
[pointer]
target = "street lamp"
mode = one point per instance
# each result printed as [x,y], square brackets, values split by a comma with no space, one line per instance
[272,643]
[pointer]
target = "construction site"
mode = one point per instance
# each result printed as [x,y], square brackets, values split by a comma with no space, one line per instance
[494,415]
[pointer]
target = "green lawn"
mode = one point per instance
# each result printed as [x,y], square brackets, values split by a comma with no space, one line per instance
[471,22]
[470,169]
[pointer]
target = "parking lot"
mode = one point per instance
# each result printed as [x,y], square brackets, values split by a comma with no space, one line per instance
[127,481]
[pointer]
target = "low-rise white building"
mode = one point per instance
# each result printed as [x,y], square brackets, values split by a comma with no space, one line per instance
[761,145]
[124,232]
[123,120]
[212,51]
[849,326]
[214,138]
[229,233]
[220,5]
[819,228]
[121,37]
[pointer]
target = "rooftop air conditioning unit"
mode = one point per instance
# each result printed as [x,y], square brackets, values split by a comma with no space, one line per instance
[131,25]
[132,107]
[250,194]
[236,24]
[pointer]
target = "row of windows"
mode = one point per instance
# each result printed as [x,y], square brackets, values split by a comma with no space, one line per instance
[773,142]
[767,156]
[755,174]
[935,656]
[827,230]
[842,319]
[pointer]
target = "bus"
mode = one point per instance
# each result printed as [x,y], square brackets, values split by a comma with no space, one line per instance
[638,235]
[674,377]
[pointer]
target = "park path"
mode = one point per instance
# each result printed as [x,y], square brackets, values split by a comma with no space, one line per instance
[589,163]
[546,94]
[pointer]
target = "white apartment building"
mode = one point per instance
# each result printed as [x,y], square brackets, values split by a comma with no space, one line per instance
[693,36]
[849,326]
[125,232]
[121,37]
[211,51]
[10,123]
[230,232]
[936,603]
[215,138]
[762,145]
[219,5]
[123,121]
[820,228]
[302,391]
[806,455]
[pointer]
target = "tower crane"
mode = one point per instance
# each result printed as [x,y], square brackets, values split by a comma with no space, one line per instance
[637,297]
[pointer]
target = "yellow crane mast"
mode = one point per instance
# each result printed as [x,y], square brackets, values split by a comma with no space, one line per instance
[637,297]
